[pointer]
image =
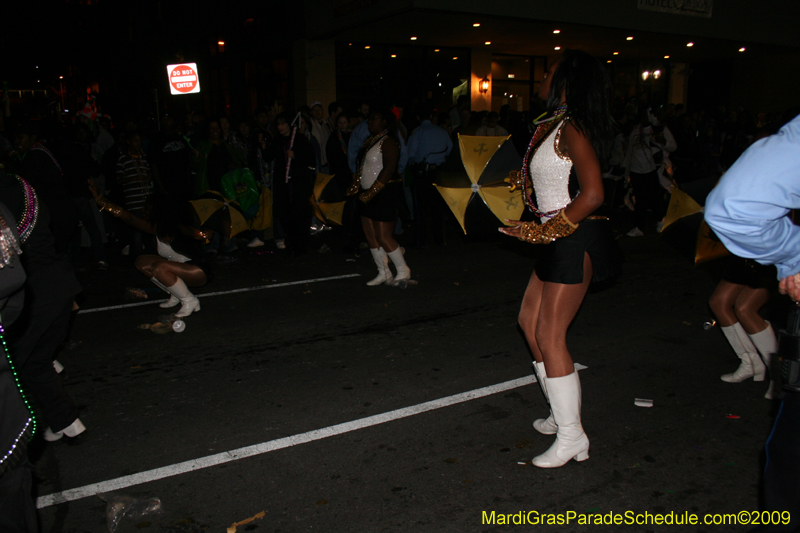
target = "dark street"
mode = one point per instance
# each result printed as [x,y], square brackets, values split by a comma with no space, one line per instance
[289,376]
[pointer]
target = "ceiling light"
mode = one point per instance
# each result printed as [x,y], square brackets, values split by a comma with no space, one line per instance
[609,61]
[476,25]
[437,50]
[350,44]
[556,31]
[616,53]
[656,74]
[455,58]
[666,57]
[742,49]
[689,44]
[367,47]
[645,75]
[221,43]
[487,43]
[628,38]
[394,55]
[557,48]
[413,38]
[511,76]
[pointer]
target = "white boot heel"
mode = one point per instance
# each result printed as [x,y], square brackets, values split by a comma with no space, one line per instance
[189,302]
[571,441]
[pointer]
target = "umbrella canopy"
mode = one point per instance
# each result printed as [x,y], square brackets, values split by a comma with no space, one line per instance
[487,160]
[685,227]
[219,214]
[328,199]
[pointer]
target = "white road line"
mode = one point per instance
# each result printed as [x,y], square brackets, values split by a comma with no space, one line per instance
[277,444]
[246,289]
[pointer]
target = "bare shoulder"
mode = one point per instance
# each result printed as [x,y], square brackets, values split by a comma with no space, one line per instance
[573,141]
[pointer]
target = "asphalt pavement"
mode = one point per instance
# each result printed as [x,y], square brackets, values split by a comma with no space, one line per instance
[332,406]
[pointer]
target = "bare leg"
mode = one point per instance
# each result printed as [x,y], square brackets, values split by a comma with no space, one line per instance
[723,302]
[369,232]
[559,305]
[748,302]
[168,272]
[529,314]
[385,234]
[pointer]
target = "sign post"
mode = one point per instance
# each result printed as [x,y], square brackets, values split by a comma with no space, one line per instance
[183,78]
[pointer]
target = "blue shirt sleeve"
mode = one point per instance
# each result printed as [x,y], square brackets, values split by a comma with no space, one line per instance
[748,208]
[360,134]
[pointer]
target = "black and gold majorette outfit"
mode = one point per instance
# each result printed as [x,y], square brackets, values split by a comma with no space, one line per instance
[549,185]
[378,201]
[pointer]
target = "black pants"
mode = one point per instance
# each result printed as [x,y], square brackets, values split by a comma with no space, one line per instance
[17,510]
[649,207]
[36,337]
[430,209]
[781,482]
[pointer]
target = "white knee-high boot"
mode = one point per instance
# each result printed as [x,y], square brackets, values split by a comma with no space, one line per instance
[403,272]
[173,300]
[189,302]
[545,426]
[571,441]
[767,344]
[751,365]
[382,262]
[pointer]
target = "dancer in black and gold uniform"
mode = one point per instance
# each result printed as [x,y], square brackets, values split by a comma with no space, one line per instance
[561,182]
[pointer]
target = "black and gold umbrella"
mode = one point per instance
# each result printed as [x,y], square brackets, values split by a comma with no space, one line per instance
[328,199]
[488,161]
[686,229]
[219,214]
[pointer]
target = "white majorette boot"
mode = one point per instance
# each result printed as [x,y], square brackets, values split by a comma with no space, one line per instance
[72,430]
[751,365]
[382,262]
[189,302]
[173,300]
[545,426]
[571,442]
[403,272]
[767,344]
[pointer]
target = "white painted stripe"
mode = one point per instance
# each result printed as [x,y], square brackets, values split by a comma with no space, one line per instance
[178,79]
[218,293]
[277,444]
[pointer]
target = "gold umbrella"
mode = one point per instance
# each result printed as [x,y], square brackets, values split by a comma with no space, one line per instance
[683,215]
[487,160]
[328,200]
[220,214]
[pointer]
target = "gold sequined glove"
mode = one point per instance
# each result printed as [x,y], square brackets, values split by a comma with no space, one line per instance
[515,180]
[557,227]
[107,205]
[354,187]
[370,193]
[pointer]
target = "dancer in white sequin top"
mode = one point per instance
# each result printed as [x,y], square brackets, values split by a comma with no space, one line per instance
[561,182]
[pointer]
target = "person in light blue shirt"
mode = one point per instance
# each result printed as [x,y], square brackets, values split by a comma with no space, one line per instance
[748,208]
[749,211]
[428,149]
[429,144]
[361,134]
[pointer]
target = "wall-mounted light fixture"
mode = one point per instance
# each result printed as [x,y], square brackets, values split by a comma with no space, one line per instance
[483,87]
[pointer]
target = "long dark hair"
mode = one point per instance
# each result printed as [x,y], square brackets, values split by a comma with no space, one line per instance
[391,120]
[585,84]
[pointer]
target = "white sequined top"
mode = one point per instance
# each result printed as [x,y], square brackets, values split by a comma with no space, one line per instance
[373,165]
[549,171]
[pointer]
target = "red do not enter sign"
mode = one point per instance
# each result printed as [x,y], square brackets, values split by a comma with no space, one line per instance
[183,78]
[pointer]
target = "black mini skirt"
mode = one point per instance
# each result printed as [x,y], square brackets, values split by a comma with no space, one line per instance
[386,205]
[562,260]
[748,272]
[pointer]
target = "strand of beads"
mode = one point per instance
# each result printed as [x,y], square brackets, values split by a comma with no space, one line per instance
[32,418]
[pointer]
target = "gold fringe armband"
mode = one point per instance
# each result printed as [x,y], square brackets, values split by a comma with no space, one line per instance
[354,187]
[557,227]
[370,193]
[107,205]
